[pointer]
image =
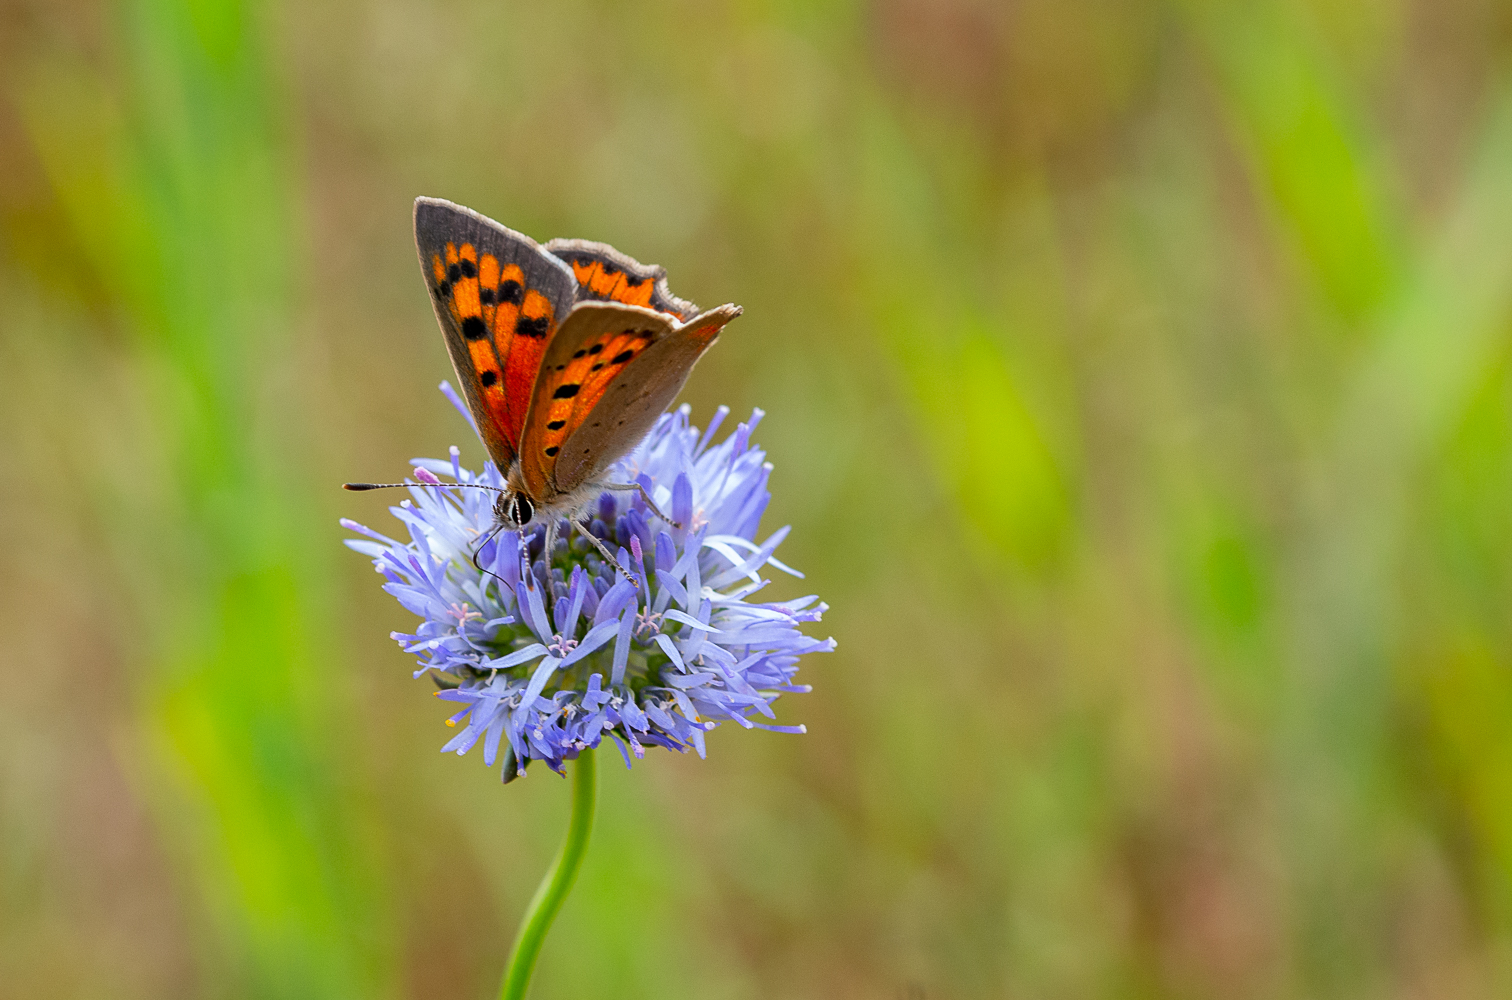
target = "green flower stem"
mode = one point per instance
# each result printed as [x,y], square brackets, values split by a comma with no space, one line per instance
[557,883]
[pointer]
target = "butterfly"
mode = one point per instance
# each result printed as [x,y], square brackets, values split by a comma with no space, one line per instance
[566,355]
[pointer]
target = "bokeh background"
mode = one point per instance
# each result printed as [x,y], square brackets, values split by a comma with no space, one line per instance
[1138,378]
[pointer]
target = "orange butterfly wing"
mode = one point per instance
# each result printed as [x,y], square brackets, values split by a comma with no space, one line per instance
[607,375]
[499,298]
[604,274]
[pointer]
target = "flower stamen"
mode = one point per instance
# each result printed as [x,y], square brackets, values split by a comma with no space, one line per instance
[647,626]
[463,613]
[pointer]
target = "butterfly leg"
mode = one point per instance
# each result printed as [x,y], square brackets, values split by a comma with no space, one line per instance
[603,549]
[550,544]
[626,487]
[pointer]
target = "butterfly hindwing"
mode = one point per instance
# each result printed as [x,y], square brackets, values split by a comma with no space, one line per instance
[499,298]
[604,274]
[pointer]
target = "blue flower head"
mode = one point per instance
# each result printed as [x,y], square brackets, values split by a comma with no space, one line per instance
[547,658]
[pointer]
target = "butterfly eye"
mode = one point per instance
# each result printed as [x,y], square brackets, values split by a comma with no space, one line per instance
[521,511]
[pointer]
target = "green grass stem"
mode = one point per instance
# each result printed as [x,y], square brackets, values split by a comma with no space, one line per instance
[557,883]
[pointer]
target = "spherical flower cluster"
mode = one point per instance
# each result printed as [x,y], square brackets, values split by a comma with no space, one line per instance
[546,657]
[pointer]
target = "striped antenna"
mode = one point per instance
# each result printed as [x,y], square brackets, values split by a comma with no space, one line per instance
[426,479]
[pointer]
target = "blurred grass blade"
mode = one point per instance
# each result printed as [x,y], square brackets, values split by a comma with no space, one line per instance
[175,178]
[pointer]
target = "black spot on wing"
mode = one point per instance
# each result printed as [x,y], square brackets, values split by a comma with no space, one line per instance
[595,348]
[488,377]
[566,391]
[510,291]
[443,290]
[468,268]
[486,296]
[587,259]
[622,357]
[454,274]
[536,327]
[551,452]
[473,328]
[556,425]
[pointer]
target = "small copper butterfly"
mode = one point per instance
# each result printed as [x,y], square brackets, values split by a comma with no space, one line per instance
[566,355]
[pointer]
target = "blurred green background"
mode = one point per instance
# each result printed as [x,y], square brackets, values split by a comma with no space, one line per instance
[1139,385]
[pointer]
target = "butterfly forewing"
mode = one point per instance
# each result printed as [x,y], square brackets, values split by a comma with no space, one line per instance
[499,298]
[604,274]
[624,406]
[593,345]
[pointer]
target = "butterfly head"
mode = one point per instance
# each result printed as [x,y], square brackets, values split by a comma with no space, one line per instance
[513,510]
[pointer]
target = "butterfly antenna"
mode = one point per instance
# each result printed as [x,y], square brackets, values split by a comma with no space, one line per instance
[359,487]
